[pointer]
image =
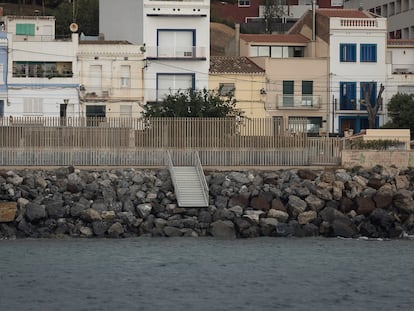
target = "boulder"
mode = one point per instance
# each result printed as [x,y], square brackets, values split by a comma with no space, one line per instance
[314,202]
[260,203]
[223,229]
[403,201]
[7,211]
[307,217]
[281,216]
[90,215]
[402,182]
[296,206]
[172,231]
[116,230]
[307,174]
[364,205]
[253,215]
[100,227]
[329,214]
[268,226]
[35,212]
[382,200]
[344,227]
[144,210]
[55,208]
[240,200]
[86,232]
[277,204]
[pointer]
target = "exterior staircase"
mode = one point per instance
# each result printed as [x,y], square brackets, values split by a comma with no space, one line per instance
[189,183]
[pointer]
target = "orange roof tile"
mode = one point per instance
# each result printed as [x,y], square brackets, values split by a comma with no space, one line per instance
[233,64]
[346,13]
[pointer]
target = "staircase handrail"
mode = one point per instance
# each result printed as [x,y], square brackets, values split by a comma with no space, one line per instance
[201,176]
[170,166]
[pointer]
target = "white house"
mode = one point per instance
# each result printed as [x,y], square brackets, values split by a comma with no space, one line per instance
[176,35]
[355,43]
[111,78]
[42,75]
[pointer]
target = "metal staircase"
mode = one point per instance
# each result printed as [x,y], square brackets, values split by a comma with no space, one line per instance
[189,183]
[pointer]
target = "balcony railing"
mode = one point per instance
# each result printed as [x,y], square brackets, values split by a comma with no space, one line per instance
[295,102]
[176,52]
[403,69]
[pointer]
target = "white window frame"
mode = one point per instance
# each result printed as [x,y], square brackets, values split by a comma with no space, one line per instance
[125,76]
[33,106]
[243,3]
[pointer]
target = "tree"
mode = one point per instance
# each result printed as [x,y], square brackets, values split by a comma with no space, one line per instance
[272,9]
[372,108]
[193,103]
[401,112]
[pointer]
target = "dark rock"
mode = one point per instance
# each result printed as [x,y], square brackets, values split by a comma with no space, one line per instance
[380,217]
[346,205]
[172,231]
[221,201]
[375,183]
[403,201]
[240,200]
[242,224]
[383,200]
[223,214]
[277,204]
[307,174]
[55,208]
[204,217]
[296,206]
[367,229]
[251,232]
[344,227]
[284,230]
[100,228]
[260,203]
[364,205]
[330,214]
[310,230]
[268,226]
[77,208]
[223,229]
[35,212]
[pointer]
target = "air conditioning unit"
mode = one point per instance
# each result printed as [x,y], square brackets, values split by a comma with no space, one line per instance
[188,54]
[105,93]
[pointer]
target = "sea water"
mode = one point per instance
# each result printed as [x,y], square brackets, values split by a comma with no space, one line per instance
[206,274]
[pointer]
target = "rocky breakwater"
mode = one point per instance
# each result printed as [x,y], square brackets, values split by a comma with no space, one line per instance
[376,203]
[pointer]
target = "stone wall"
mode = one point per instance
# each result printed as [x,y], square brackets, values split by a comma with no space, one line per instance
[370,158]
[67,202]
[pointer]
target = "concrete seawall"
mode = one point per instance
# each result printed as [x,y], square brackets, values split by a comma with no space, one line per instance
[68,202]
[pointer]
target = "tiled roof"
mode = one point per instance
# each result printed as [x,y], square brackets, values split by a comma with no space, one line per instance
[398,42]
[233,64]
[346,13]
[274,38]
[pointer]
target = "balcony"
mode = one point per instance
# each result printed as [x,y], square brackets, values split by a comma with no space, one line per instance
[295,102]
[358,23]
[403,69]
[174,52]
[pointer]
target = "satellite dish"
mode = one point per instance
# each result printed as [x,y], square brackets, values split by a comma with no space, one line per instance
[73,27]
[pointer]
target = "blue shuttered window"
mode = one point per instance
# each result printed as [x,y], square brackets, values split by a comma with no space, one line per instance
[348,95]
[347,52]
[368,53]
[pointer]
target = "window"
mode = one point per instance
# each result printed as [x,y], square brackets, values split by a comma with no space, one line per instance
[1,108]
[42,69]
[171,83]
[259,50]
[176,43]
[125,111]
[95,81]
[307,93]
[288,88]
[33,106]
[347,52]
[368,53]
[244,3]
[347,95]
[25,29]
[125,76]
[226,89]
[309,125]
[94,114]
[373,97]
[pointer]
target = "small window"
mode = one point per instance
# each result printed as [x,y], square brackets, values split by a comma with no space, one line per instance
[33,106]
[288,91]
[307,93]
[1,108]
[25,29]
[226,89]
[368,53]
[244,3]
[125,110]
[125,76]
[347,52]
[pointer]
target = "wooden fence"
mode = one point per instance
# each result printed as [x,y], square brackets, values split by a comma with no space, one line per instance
[42,141]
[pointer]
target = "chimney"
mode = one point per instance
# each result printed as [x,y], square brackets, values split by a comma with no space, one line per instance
[237,39]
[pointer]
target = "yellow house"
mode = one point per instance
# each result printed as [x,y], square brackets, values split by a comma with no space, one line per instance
[244,79]
[296,80]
